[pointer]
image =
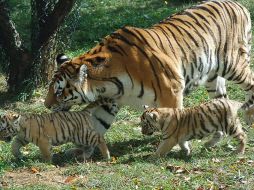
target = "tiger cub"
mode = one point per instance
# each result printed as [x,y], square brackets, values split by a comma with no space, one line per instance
[84,128]
[216,117]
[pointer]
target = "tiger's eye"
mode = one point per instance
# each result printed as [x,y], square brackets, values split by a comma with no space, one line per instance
[100,59]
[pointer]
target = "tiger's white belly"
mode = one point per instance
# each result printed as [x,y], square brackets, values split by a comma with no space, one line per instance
[197,73]
[132,95]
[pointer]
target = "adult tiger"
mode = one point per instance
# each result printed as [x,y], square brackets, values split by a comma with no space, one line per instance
[205,44]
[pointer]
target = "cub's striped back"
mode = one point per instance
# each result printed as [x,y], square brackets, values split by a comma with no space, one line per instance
[216,117]
[84,128]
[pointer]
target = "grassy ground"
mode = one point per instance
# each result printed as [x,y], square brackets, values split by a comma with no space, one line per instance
[132,167]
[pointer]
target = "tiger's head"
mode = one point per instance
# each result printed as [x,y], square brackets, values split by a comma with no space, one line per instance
[8,126]
[83,79]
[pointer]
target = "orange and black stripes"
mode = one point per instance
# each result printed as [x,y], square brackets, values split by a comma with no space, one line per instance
[180,125]
[85,128]
[202,45]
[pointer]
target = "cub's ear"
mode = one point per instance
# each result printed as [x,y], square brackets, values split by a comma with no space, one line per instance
[15,116]
[153,116]
[82,73]
[145,107]
[61,58]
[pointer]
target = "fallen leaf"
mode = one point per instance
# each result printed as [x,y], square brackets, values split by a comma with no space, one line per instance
[25,153]
[223,186]
[241,160]
[180,170]
[34,170]
[244,181]
[216,160]
[113,160]
[70,179]
[232,148]
[186,178]
[197,170]
[176,169]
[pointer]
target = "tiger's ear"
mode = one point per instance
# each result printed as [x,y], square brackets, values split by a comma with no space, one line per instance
[82,73]
[61,58]
[16,120]
[145,107]
[153,116]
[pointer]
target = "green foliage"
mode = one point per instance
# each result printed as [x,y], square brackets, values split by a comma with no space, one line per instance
[21,16]
[91,20]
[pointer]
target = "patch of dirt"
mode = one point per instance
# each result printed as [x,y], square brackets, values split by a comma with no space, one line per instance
[26,177]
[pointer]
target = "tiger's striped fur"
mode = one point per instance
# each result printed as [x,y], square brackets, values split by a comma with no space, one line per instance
[181,125]
[206,44]
[84,128]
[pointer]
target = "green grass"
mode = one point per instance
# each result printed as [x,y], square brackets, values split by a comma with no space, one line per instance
[133,167]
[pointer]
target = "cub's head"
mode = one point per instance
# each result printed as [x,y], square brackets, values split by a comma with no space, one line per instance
[8,126]
[150,121]
[100,72]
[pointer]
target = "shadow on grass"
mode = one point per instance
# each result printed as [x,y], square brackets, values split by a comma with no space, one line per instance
[138,151]
[127,152]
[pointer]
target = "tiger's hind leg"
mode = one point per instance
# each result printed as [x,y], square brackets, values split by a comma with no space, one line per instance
[217,136]
[237,68]
[243,76]
[238,133]
[216,87]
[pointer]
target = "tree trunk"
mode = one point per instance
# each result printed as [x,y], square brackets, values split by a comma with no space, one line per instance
[37,64]
[11,42]
[43,55]
[48,19]
[44,61]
